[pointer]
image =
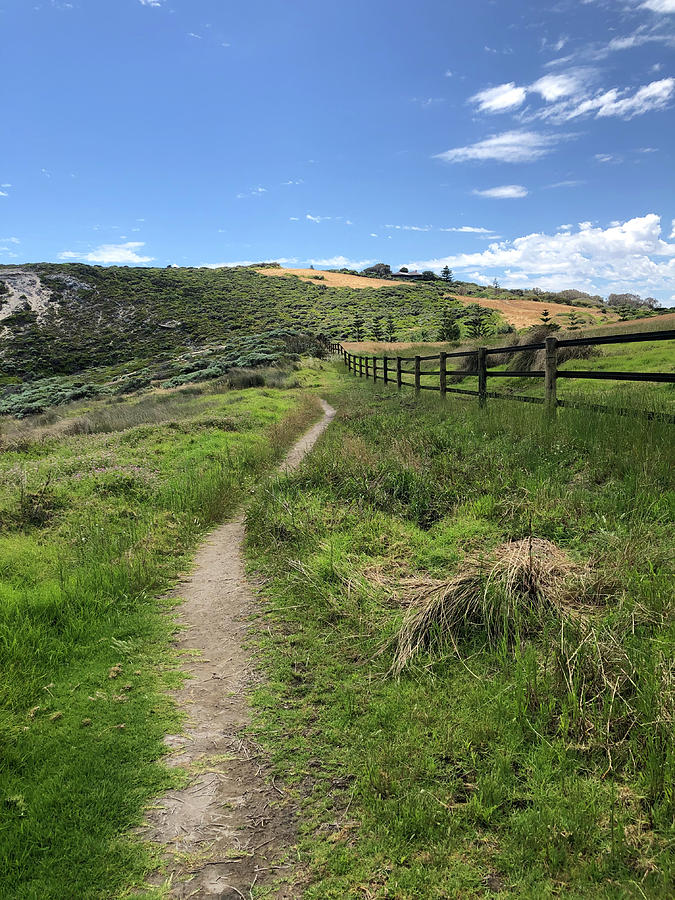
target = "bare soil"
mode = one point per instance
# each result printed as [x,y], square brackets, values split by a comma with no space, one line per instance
[330,279]
[233,827]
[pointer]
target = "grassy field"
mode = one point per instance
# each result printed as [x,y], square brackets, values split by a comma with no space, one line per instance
[101,507]
[648,356]
[525,748]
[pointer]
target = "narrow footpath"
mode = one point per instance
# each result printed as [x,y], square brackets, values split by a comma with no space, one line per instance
[224,832]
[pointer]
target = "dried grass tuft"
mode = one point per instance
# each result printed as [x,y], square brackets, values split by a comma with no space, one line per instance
[515,589]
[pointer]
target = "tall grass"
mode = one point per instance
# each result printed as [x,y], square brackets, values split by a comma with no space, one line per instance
[528,750]
[94,527]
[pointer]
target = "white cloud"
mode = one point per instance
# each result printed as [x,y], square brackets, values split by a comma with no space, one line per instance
[150,2]
[448,73]
[605,157]
[341,262]
[504,192]
[661,6]
[318,219]
[111,254]
[410,227]
[256,192]
[555,87]
[10,240]
[469,229]
[4,194]
[571,182]
[627,256]
[293,218]
[193,35]
[5,185]
[499,98]
[672,233]
[510,146]
[614,103]
[372,234]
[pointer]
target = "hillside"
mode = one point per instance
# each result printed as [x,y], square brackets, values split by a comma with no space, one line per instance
[64,319]
[517,311]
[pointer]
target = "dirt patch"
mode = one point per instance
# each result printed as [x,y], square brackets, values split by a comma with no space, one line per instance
[233,827]
[330,279]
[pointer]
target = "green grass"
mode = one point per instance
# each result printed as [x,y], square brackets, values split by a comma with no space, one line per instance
[94,527]
[511,768]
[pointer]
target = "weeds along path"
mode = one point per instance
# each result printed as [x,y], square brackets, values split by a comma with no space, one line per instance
[223,832]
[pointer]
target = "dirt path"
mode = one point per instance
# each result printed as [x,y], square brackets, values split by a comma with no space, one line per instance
[226,830]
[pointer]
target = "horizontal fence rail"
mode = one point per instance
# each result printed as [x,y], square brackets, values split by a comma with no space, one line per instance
[390,370]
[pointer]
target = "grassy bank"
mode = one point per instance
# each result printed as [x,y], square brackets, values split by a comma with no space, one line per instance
[526,749]
[100,509]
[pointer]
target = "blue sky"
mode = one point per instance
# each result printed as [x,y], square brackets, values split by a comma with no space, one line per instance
[529,141]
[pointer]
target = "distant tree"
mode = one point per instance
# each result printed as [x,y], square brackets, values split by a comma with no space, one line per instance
[403,269]
[545,317]
[446,274]
[625,313]
[449,329]
[574,321]
[390,329]
[358,327]
[379,269]
[428,275]
[377,328]
[633,301]
[495,284]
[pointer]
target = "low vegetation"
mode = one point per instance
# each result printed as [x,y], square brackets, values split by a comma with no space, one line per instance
[101,506]
[470,654]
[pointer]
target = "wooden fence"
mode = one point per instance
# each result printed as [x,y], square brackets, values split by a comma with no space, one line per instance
[391,370]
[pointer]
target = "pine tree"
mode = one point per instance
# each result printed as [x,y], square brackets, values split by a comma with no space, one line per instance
[574,321]
[545,317]
[449,329]
[446,274]
[358,326]
[377,328]
[391,331]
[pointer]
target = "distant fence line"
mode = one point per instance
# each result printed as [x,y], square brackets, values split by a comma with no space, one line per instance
[390,370]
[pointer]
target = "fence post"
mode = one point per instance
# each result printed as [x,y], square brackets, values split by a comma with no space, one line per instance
[385,370]
[360,367]
[481,361]
[417,374]
[550,373]
[374,368]
[367,367]
[399,379]
[443,366]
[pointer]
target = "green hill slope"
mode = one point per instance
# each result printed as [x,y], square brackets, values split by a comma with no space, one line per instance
[74,317]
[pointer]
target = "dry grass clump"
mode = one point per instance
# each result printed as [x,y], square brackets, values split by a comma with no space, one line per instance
[515,589]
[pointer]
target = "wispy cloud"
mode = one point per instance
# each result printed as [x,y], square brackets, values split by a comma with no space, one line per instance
[10,240]
[504,192]
[255,192]
[659,6]
[469,229]
[318,219]
[509,146]
[111,254]
[150,2]
[410,227]
[571,182]
[500,98]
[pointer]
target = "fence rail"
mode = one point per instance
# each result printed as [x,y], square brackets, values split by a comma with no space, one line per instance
[390,370]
